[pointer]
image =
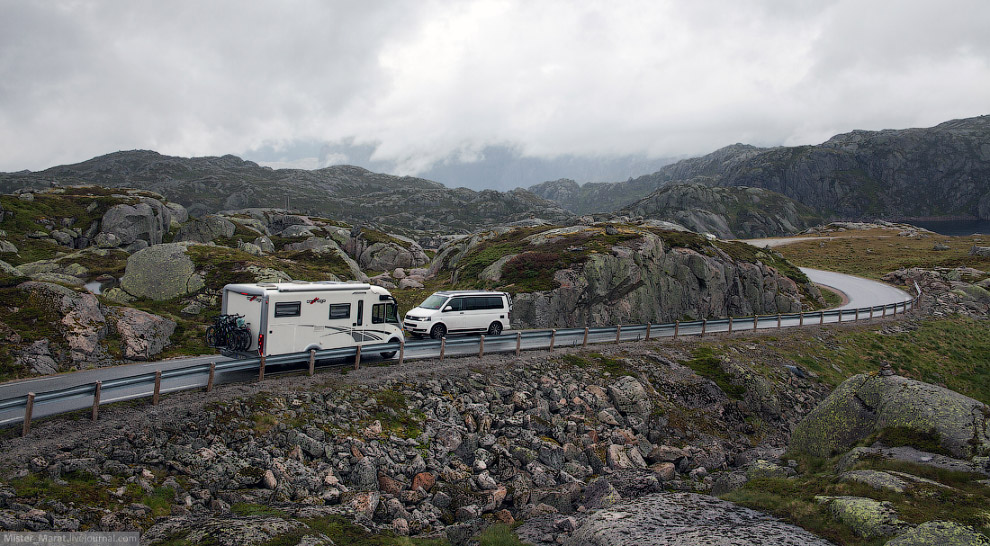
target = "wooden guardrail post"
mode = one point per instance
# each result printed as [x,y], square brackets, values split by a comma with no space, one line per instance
[481,346]
[856,316]
[261,369]
[312,361]
[778,321]
[518,343]
[158,388]
[677,328]
[97,391]
[840,316]
[704,326]
[821,317]
[648,330]
[213,373]
[553,338]
[730,325]
[357,358]
[28,410]
[585,342]
[883,313]
[618,333]
[402,350]
[871,312]
[756,322]
[443,347]
[801,322]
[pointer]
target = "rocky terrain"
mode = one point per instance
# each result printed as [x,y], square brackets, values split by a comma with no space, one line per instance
[937,171]
[350,194]
[613,273]
[728,213]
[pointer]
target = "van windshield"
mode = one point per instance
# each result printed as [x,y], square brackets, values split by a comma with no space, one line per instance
[433,302]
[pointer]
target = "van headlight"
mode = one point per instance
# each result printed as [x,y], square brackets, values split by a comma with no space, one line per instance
[425,319]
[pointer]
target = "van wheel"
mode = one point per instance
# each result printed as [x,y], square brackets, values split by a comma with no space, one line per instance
[438,331]
[495,329]
[390,354]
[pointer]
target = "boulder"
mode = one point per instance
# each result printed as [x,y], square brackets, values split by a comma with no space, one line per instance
[179,214]
[685,519]
[205,229]
[161,272]
[223,531]
[876,479]
[982,251]
[6,247]
[942,533]
[37,357]
[630,397]
[866,404]
[148,220]
[142,334]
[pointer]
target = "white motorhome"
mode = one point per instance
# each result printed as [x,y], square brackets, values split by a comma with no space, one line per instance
[298,316]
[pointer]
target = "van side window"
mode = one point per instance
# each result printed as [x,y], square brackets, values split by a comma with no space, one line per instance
[340,311]
[455,304]
[288,309]
[475,304]
[494,302]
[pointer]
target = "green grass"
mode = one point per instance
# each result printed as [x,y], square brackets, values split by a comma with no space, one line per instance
[606,364]
[793,499]
[245,509]
[707,364]
[930,440]
[500,534]
[375,236]
[160,501]
[342,531]
[392,410]
[831,297]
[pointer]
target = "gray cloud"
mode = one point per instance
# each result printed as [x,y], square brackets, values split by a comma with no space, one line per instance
[424,82]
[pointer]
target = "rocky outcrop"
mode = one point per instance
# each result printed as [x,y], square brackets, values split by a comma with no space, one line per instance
[161,272]
[947,291]
[942,533]
[685,519]
[142,335]
[205,229]
[640,277]
[864,405]
[384,253]
[147,221]
[727,213]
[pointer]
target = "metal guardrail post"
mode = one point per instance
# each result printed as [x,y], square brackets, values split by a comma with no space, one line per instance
[677,328]
[261,369]
[585,342]
[213,373]
[704,326]
[28,410]
[312,361]
[553,338]
[357,358]
[648,325]
[481,346]
[97,390]
[443,347]
[518,343]
[618,333]
[158,388]
[402,351]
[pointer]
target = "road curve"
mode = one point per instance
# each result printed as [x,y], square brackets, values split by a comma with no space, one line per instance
[861,293]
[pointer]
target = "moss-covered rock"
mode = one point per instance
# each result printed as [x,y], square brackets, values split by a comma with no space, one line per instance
[865,405]
[876,479]
[161,272]
[866,517]
[942,533]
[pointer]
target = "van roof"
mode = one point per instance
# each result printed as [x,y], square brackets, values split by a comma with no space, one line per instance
[470,293]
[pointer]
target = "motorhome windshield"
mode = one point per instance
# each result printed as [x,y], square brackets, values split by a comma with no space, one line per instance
[433,302]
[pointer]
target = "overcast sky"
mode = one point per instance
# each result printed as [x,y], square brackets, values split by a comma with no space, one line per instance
[425,81]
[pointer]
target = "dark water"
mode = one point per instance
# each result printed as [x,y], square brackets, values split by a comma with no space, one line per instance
[955,227]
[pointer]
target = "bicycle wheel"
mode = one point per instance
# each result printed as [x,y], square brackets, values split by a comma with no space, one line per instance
[211,337]
[243,340]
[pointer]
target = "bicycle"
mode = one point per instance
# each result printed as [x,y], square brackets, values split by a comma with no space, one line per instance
[229,332]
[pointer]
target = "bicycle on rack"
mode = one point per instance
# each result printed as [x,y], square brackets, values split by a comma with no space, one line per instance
[229,332]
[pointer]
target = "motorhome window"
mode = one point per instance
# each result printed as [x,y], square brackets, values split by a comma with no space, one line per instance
[288,309]
[433,302]
[360,317]
[384,312]
[340,310]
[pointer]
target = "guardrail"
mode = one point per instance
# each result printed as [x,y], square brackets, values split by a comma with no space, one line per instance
[137,386]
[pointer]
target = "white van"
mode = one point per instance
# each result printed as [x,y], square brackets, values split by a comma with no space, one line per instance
[299,316]
[460,311]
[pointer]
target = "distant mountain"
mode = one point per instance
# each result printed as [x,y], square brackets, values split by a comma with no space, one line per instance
[938,171]
[350,194]
[734,212]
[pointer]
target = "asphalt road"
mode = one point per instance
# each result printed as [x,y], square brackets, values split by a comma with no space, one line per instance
[860,292]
